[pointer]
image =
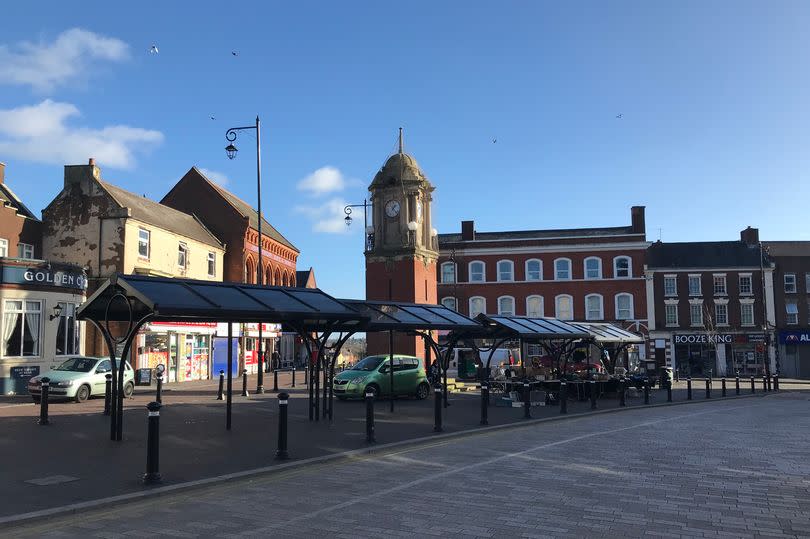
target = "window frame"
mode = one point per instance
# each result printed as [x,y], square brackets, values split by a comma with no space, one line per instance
[791,318]
[22,250]
[452,265]
[470,305]
[785,281]
[807,282]
[750,279]
[692,311]
[616,267]
[743,306]
[539,269]
[599,274]
[511,271]
[453,299]
[148,243]
[66,314]
[483,278]
[212,264]
[674,279]
[23,311]
[3,247]
[632,307]
[718,307]
[557,299]
[721,278]
[695,278]
[570,270]
[502,312]
[601,305]
[182,248]
[542,306]
[674,308]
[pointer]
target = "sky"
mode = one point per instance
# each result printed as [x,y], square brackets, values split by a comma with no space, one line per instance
[523,114]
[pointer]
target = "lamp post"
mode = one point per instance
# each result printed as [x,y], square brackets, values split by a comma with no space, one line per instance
[367,231]
[230,149]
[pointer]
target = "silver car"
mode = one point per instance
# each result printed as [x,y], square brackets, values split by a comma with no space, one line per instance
[80,378]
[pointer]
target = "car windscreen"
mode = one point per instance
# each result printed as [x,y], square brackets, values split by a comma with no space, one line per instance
[77,364]
[369,364]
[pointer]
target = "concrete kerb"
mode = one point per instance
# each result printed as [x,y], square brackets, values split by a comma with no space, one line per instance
[113,501]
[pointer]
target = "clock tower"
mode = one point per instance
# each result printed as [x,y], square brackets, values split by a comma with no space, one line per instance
[401,261]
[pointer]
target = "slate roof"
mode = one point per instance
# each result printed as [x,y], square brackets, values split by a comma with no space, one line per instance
[541,234]
[301,278]
[787,248]
[154,213]
[12,200]
[703,254]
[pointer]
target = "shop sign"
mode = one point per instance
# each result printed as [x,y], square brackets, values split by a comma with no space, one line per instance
[45,276]
[704,338]
[24,372]
[756,337]
[795,336]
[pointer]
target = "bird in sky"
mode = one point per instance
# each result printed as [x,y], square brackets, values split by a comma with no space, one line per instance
[619,116]
[494,140]
[213,118]
[235,53]
[153,49]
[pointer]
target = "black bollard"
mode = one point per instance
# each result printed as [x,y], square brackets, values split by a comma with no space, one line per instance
[244,383]
[281,452]
[593,394]
[622,395]
[527,411]
[107,393]
[484,403]
[776,382]
[221,391]
[646,391]
[563,398]
[722,387]
[753,385]
[764,383]
[737,384]
[669,392]
[43,401]
[152,474]
[306,376]
[370,417]
[275,379]
[437,408]
[688,388]
[708,388]
[769,381]
[159,389]
[293,376]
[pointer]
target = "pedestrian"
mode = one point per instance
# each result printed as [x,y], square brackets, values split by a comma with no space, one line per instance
[276,358]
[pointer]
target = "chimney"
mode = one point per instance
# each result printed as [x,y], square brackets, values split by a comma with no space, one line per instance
[76,173]
[2,173]
[637,220]
[750,236]
[467,230]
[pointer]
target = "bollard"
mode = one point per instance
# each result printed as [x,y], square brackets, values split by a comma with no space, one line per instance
[152,474]
[764,383]
[669,392]
[769,382]
[593,394]
[43,401]
[244,383]
[306,375]
[527,412]
[776,382]
[753,386]
[708,388]
[281,452]
[646,391]
[370,417]
[722,387]
[622,391]
[293,376]
[159,389]
[275,379]
[221,391]
[437,408]
[107,393]
[688,388]
[484,403]
[563,398]
[737,384]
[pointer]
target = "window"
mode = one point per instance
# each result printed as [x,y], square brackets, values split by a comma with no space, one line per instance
[67,334]
[621,267]
[807,282]
[25,250]
[747,314]
[696,314]
[564,307]
[477,272]
[3,247]
[562,269]
[143,243]
[21,321]
[212,264]
[534,270]
[792,309]
[534,306]
[478,305]
[694,285]
[182,252]
[624,307]
[593,268]
[448,272]
[790,283]
[594,307]
[670,285]
[506,270]
[719,285]
[506,306]
[450,303]
[671,314]
[746,288]
[721,314]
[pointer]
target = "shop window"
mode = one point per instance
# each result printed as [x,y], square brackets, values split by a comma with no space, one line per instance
[746,288]
[671,314]
[506,270]
[448,272]
[670,285]
[594,307]
[534,270]
[593,268]
[3,247]
[25,250]
[719,285]
[506,306]
[624,307]
[182,255]
[478,305]
[747,314]
[721,314]
[562,269]
[67,333]
[694,285]
[564,307]
[790,283]
[792,310]
[477,272]
[534,306]
[144,237]
[696,314]
[450,303]
[21,328]
[621,267]
[212,264]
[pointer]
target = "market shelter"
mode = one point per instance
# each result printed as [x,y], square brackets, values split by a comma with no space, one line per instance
[612,341]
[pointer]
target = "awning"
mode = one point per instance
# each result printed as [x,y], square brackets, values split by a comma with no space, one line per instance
[604,333]
[401,316]
[532,329]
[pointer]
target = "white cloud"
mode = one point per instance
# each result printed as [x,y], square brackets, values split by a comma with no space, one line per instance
[324,180]
[328,217]
[43,66]
[214,176]
[40,133]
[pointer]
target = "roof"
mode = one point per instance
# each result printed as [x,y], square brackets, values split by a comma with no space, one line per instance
[532,328]
[246,210]
[400,167]
[154,213]
[787,248]
[10,199]
[542,234]
[400,316]
[302,278]
[604,333]
[703,254]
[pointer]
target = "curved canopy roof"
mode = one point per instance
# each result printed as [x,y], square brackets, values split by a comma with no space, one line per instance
[531,329]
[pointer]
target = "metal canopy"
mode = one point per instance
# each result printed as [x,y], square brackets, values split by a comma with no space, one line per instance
[399,316]
[604,333]
[532,329]
[169,299]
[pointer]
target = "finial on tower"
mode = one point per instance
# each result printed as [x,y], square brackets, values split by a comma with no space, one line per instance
[400,140]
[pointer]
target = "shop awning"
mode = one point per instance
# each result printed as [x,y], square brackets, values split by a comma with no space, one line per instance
[401,316]
[604,333]
[531,329]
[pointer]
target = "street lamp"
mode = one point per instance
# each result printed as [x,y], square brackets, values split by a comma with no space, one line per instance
[230,150]
[367,241]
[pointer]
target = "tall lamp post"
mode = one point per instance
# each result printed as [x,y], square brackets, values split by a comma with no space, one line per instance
[367,233]
[230,149]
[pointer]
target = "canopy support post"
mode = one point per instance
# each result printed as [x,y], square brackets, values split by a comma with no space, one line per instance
[391,365]
[229,398]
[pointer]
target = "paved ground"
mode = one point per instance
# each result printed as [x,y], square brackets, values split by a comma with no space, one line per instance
[734,468]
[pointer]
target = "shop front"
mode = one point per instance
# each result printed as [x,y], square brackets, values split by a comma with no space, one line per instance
[719,354]
[38,327]
[250,350]
[794,352]
[184,348]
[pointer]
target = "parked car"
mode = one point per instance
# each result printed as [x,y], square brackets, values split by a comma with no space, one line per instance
[80,378]
[373,374]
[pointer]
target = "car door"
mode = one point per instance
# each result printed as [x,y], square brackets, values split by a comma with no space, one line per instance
[384,378]
[98,385]
[405,375]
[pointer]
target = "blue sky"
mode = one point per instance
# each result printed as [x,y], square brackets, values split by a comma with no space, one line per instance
[713,96]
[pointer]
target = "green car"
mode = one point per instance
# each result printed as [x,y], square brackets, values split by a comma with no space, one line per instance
[79,378]
[372,374]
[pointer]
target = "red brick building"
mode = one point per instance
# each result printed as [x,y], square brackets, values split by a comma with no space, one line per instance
[20,230]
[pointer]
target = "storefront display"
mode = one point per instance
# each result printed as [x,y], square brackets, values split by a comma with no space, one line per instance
[184,348]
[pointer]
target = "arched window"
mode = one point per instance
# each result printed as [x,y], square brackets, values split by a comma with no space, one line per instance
[448,272]
[562,269]
[450,303]
[594,307]
[267,275]
[622,267]
[506,306]
[250,271]
[534,306]
[593,267]
[506,270]
[534,270]
[478,305]
[277,278]
[624,307]
[477,272]
[564,307]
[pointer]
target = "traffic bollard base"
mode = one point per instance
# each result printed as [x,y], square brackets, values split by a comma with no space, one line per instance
[152,478]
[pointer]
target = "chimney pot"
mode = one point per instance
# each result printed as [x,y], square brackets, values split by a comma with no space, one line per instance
[92,162]
[637,220]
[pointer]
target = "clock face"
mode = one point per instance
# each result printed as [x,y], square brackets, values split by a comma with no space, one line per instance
[392,208]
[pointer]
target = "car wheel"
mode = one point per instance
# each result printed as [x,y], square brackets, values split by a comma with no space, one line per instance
[422,391]
[83,393]
[374,388]
[129,389]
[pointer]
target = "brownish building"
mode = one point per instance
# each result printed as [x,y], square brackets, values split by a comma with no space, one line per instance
[20,230]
